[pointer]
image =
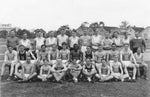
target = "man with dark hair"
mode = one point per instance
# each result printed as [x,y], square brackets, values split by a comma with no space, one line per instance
[76,53]
[12,41]
[137,42]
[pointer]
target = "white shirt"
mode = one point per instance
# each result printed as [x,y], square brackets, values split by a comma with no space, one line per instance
[39,41]
[117,41]
[51,41]
[26,42]
[96,39]
[62,39]
[73,40]
[126,40]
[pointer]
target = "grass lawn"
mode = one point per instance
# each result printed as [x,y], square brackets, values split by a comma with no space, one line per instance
[48,89]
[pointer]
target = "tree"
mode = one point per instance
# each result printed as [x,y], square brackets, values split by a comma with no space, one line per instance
[101,24]
[124,24]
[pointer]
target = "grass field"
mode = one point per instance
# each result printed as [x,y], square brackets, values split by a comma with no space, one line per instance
[141,88]
[81,89]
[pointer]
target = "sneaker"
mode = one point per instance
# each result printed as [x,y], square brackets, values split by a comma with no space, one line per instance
[75,80]
[89,79]
[9,78]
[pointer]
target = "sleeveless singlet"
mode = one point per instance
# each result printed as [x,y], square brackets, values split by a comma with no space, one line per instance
[53,55]
[126,56]
[88,55]
[22,56]
[116,68]
[104,70]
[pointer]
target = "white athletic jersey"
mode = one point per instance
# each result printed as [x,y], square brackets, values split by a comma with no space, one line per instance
[62,39]
[126,40]
[96,39]
[10,56]
[126,55]
[139,58]
[39,42]
[51,41]
[85,40]
[73,40]
[117,41]
[106,42]
[64,54]
[25,43]
[116,67]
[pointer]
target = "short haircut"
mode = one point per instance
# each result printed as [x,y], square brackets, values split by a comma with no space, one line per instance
[64,43]
[113,44]
[43,45]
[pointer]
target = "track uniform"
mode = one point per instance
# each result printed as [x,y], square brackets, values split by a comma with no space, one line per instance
[64,56]
[106,44]
[45,72]
[86,41]
[59,71]
[39,42]
[26,43]
[53,56]
[96,39]
[73,40]
[75,70]
[51,41]
[78,55]
[111,55]
[104,73]
[88,55]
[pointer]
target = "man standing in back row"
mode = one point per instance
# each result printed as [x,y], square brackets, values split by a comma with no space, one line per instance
[137,42]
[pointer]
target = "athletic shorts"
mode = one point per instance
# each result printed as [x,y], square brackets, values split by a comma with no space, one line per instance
[26,75]
[22,62]
[128,63]
[33,61]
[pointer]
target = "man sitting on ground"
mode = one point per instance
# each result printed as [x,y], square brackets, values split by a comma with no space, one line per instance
[75,69]
[45,71]
[28,71]
[59,71]
[104,71]
[89,70]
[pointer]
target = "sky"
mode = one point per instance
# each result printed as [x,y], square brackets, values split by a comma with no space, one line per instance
[51,14]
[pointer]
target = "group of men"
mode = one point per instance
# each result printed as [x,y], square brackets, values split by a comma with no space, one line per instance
[87,58]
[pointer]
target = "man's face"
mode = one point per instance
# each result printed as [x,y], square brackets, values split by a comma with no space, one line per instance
[88,49]
[113,47]
[54,47]
[28,59]
[22,48]
[64,46]
[73,34]
[115,34]
[24,36]
[137,35]
[139,50]
[115,58]
[43,48]
[76,47]
[100,48]
[103,62]
[126,46]
[51,34]
[12,33]
[10,49]
[62,32]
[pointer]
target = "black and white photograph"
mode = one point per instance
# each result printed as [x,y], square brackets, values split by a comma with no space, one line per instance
[74,48]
